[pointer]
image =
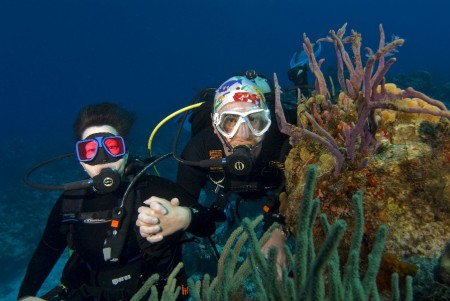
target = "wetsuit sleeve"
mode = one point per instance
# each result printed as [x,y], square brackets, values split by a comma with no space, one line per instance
[48,251]
[201,222]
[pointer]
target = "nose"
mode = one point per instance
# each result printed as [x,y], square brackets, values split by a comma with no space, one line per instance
[243,131]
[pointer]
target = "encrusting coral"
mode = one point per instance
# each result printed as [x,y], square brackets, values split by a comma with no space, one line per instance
[392,144]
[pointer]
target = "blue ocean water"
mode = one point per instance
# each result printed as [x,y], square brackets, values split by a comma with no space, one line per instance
[152,57]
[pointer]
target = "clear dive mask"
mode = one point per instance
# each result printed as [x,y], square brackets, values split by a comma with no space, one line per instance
[228,122]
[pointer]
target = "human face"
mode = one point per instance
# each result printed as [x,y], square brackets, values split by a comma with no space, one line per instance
[91,149]
[241,123]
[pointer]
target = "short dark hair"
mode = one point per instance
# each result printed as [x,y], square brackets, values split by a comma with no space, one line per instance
[103,114]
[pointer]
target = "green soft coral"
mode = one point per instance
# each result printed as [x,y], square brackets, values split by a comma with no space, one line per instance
[310,269]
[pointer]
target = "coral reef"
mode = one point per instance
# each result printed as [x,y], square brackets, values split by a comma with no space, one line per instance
[314,275]
[392,144]
[171,290]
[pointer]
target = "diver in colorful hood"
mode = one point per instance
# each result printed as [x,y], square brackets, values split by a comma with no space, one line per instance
[244,136]
[110,259]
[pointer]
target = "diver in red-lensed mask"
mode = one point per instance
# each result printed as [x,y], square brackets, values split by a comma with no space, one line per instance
[111,259]
[102,153]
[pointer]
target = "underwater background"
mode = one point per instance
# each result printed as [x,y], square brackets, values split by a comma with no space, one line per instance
[152,57]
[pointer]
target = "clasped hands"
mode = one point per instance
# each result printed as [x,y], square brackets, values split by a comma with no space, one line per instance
[162,218]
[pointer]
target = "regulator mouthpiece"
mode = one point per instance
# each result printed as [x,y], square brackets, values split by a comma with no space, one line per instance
[108,180]
[240,162]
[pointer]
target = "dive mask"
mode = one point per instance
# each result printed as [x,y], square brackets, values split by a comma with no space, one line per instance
[100,148]
[228,122]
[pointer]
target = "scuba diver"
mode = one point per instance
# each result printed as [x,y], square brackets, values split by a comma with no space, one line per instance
[243,137]
[298,72]
[110,260]
[237,149]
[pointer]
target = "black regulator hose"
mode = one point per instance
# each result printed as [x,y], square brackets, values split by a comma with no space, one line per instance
[98,182]
[26,176]
[143,171]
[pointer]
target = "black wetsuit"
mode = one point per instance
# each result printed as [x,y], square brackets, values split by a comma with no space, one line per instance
[87,267]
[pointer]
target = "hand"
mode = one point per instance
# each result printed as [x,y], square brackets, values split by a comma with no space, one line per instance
[162,218]
[277,240]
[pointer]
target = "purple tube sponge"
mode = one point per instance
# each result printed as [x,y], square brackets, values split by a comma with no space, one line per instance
[364,85]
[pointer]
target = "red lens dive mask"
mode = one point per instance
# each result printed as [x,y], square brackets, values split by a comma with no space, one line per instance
[100,148]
